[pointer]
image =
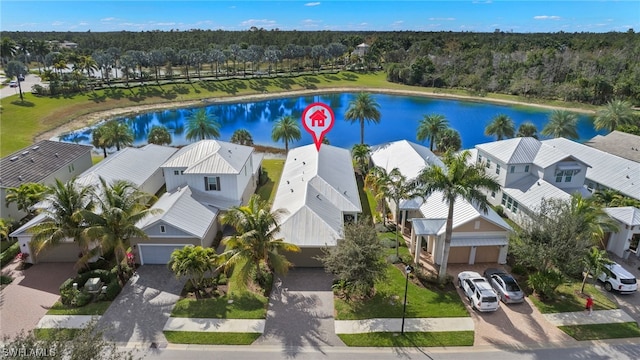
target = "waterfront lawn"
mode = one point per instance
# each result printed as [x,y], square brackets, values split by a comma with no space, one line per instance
[570,299]
[409,339]
[94,308]
[602,331]
[210,338]
[273,167]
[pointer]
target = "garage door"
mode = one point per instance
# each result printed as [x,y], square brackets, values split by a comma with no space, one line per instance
[305,258]
[487,254]
[156,254]
[459,255]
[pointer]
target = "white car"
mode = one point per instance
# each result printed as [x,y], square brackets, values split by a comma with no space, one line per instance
[479,292]
[619,279]
[13,83]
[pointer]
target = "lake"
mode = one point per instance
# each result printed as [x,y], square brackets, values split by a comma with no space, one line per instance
[400,115]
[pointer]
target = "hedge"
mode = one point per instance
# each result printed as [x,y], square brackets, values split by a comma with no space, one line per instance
[9,254]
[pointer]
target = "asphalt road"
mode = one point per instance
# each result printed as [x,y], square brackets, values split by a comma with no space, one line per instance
[26,85]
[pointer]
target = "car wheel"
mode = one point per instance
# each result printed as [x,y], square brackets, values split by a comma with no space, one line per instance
[608,287]
[459,283]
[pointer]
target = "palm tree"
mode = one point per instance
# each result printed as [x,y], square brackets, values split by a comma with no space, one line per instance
[254,242]
[527,129]
[562,123]
[120,206]
[449,140]
[194,262]
[201,125]
[360,153]
[5,229]
[67,201]
[159,135]
[616,112]
[98,139]
[8,49]
[376,182]
[456,182]
[501,126]
[242,137]
[362,108]
[594,263]
[595,221]
[430,127]
[116,134]
[26,195]
[286,129]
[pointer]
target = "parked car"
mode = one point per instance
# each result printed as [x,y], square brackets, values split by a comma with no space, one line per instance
[21,77]
[504,285]
[478,291]
[619,279]
[13,83]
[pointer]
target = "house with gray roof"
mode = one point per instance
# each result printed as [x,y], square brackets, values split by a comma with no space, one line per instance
[42,162]
[478,237]
[618,143]
[319,193]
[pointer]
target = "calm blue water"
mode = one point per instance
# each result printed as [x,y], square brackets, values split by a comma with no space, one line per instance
[400,116]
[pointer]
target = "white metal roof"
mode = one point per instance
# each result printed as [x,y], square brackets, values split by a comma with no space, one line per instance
[315,188]
[627,215]
[410,158]
[530,191]
[184,210]
[524,151]
[135,165]
[427,226]
[210,157]
[608,170]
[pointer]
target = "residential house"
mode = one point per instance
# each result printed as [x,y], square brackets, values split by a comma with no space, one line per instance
[478,237]
[43,163]
[361,50]
[319,194]
[618,143]
[624,242]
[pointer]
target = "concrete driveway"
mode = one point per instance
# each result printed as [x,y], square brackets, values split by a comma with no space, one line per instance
[26,85]
[30,295]
[301,312]
[139,313]
[630,303]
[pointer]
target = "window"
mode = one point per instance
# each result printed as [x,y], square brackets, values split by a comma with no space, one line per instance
[493,194]
[488,163]
[559,176]
[178,172]
[212,183]
[504,199]
[498,169]
[163,229]
[479,158]
[71,168]
[526,168]
[567,175]
[509,202]
[476,226]
[512,169]
[514,208]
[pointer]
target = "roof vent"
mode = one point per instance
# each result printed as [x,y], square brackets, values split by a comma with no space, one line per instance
[291,190]
[287,182]
[14,158]
[304,163]
[345,192]
[318,196]
[20,177]
[32,160]
[56,155]
[35,147]
[25,153]
[627,176]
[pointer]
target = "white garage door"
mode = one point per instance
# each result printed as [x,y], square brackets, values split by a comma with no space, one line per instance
[156,254]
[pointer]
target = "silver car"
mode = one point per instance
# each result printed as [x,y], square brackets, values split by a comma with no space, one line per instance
[505,286]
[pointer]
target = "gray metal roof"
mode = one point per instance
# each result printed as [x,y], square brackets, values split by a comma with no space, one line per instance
[530,191]
[427,226]
[608,170]
[410,158]
[210,157]
[315,189]
[135,165]
[479,241]
[38,161]
[627,215]
[618,143]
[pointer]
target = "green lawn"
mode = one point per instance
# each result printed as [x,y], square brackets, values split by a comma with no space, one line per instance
[96,308]
[245,305]
[570,299]
[210,338]
[273,167]
[388,301]
[410,339]
[602,331]
[367,201]
[58,334]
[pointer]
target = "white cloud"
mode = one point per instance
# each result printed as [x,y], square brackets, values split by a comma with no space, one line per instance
[442,19]
[310,23]
[546,17]
[312,4]
[108,19]
[259,23]
[83,23]
[57,23]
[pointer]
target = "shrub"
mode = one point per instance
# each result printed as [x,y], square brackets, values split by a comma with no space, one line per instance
[388,243]
[222,279]
[393,259]
[113,289]
[9,254]
[545,282]
[5,279]
[80,299]
[519,270]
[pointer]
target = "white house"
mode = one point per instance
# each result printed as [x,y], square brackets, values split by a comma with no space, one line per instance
[628,235]
[319,193]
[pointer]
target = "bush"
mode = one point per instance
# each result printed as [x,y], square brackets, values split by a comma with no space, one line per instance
[222,279]
[388,243]
[393,259]
[113,289]
[9,254]
[5,279]
[68,294]
[81,298]
[545,283]
[519,270]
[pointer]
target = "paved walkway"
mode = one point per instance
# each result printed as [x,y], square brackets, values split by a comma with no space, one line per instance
[215,325]
[65,321]
[583,318]
[410,325]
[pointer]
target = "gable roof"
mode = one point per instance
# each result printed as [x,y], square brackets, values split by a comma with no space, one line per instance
[315,188]
[525,150]
[608,170]
[618,143]
[38,161]
[135,165]
[627,215]
[410,158]
[210,157]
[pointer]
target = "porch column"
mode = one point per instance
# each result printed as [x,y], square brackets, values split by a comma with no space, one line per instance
[412,239]
[472,255]
[403,216]
[502,255]
[418,250]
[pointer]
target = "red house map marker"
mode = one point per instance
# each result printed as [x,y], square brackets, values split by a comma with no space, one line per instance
[318,119]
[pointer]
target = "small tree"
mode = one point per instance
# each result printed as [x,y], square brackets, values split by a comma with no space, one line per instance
[26,195]
[357,260]
[594,264]
[159,135]
[194,262]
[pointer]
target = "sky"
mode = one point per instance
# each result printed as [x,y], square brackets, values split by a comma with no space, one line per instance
[370,15]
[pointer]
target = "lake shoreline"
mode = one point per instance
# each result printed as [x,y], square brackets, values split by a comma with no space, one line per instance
[97,117]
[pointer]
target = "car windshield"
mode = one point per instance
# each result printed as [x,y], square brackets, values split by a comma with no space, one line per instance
[489,299]
[511,284]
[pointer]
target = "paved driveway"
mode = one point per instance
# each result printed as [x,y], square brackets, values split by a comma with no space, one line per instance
[26,85]
[630,303]
[138,314]
[301,312]
[30,295]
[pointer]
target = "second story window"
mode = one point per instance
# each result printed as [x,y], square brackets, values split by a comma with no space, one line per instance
[488,163]
[567,175]
[526,168]
[512,169]
[498,169]
[212,183]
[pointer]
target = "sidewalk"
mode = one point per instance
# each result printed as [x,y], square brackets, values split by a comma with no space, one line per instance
[410,325]
[583,318]
[65,321]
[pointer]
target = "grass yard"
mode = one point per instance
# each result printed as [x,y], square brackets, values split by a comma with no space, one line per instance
[570,299]
[367,201]
[409,339]
[210,338]
[245,305]
[96,308]
[273,167]
[602,331]
[388,301]
[56,334]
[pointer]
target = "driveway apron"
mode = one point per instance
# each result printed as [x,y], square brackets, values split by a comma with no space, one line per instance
[301,312]
[139,313]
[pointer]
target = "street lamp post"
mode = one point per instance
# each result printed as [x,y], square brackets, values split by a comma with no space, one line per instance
[408,269]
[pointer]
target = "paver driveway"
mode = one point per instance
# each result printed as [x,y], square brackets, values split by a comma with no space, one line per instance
[138,314]
[30,295]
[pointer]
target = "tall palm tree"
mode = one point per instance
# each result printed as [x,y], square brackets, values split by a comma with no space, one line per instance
[120,206]
[26,195]
[201,125]
[562,123]
[616,112]
[360,153]
[286,129]
[8,49]
[194,262]
[98,139]
[527,129]
[254,242]
[449,140]
[457,181]
[116,134]
[594,262]
[595,221]
[242,137]
[501,126]
[159,135]
[376,183]
[363,108]
[67,201]
[430,127]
